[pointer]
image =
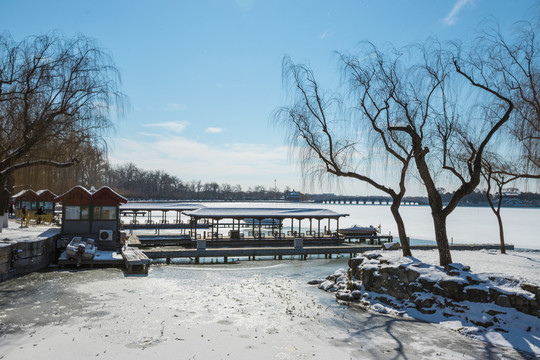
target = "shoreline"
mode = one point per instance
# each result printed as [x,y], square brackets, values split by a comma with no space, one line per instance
[469,297]
[261,309]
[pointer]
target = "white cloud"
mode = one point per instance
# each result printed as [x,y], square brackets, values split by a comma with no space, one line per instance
[245,164]
[176,107]
[245,6]
[149,134]
[451,18]
[325,34]
[173,126]
[213,130]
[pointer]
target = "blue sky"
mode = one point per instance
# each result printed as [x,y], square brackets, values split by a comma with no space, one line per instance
[203,77]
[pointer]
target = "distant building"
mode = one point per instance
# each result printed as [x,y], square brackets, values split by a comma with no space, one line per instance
[93,215]
[292,196]
[33,200]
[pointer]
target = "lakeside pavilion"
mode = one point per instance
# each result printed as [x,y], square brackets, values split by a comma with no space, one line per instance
[270,218]
[92,213]
[33,200]
[136,209]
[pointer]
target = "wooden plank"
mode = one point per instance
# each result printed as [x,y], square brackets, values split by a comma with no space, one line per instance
[256,251]
[133,240]
[284,251]
[133,256]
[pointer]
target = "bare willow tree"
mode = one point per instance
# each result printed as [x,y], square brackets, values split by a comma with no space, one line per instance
[445,138]
[523,53]
[56,96]
[88,171]
[518,64]
[328,142]
[494,172]
[474,98]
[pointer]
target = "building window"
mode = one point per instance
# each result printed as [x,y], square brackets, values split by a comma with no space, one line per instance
[85,213]
[97,213]
[73,212]
[108,213]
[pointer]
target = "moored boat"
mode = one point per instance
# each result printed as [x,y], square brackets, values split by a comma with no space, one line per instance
[360,230]
[81,249]
[263,222]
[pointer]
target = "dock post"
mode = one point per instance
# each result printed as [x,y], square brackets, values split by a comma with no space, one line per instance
[225,259]
[329,256]
[168,261]
[280,257]
[196,260]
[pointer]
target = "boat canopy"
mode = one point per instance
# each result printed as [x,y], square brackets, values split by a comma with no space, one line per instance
[263,213]
[141,206]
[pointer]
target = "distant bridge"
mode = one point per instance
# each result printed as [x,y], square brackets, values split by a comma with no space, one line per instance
[367,200]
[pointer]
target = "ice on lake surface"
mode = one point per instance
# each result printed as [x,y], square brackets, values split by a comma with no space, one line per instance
[260,309]
[466,225]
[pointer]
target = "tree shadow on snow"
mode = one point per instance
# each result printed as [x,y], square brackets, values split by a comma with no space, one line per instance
[392,337]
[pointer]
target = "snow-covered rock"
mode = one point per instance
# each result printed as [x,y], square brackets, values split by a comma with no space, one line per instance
[485,305]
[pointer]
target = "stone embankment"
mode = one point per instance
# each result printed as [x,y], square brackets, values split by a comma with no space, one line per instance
[23,257]
[428,288]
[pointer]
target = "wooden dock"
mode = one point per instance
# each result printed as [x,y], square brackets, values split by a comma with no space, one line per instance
[279,252]
[256,252]
[160,240]
[130,256]
[102,258]
[135,260]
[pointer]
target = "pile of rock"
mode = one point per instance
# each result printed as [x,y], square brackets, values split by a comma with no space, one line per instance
[427,288]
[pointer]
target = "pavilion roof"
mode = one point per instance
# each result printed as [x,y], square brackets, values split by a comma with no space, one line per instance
[264,213]
[141,206]
[45,195]
[25,195]
[107,196]
[80,196]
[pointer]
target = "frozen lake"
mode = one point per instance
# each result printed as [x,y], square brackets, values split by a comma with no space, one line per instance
[466,225]
[248,310]
[256,309]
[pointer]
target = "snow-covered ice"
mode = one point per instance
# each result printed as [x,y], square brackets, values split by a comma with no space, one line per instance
[506,327]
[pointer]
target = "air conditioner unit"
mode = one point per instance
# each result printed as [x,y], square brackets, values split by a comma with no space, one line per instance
[105,235]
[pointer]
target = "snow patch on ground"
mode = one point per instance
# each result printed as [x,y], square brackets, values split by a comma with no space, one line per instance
[514,268]
[496,325]
[15,233]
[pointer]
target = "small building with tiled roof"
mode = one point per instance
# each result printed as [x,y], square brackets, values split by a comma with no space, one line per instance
[33,200]
[92,214]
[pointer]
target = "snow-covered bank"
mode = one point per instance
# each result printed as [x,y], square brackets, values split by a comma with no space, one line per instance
[481,302]
[522,266]
[15,233]
[248,310]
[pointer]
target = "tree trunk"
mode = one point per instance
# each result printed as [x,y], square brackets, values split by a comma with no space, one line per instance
[439,221]
[6,188]
[5,198]
[401,228]
[501,231]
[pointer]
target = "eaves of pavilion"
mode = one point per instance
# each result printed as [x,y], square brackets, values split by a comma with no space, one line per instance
[260,214]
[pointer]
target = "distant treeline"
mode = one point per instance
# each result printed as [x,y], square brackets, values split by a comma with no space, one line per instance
[136,183]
